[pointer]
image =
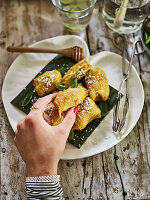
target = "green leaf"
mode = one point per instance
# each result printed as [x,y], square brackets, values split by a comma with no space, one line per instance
[146,35]
[61,87]
[27,99]
[71,135]
[62,71]
[74,83]
[103,108]
[147,40]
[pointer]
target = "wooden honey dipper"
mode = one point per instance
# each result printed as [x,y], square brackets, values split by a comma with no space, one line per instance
[75,52]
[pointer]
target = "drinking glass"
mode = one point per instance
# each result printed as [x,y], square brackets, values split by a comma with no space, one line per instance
[75,14]
[125,16]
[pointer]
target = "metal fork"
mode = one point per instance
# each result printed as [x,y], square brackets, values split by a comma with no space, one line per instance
[116,118]
[119,122]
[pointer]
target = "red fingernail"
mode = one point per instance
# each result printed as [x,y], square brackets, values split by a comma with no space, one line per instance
[76,108]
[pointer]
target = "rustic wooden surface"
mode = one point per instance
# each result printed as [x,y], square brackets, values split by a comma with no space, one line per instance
[122,172]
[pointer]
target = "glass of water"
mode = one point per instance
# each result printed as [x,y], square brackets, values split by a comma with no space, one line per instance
[125,16]
[75,14]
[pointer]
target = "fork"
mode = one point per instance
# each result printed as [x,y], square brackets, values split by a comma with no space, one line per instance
[116,118]
[118,123]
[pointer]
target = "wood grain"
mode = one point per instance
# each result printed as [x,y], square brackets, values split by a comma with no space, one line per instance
[120,173]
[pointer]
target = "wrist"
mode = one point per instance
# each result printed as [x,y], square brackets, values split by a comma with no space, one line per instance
[41,171]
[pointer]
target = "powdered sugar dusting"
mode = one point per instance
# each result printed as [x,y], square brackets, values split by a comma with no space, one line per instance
[78,70]
[85,107]
[47,80]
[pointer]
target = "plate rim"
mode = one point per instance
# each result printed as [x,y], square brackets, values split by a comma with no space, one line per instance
[105,52]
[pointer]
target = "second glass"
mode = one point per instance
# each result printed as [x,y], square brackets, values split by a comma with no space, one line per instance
[75,14]
[125,16]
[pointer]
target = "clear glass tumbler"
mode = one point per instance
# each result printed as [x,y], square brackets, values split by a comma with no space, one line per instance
[75,14]
[125,16]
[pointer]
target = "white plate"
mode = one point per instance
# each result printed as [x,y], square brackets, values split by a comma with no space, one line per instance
[26,66]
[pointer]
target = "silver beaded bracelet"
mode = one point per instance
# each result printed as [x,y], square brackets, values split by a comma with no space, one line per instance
[51,178]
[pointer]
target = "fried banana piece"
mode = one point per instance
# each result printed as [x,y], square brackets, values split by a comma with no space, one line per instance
[78,71]
[45,83]
[88,111]
[69,98]
[97,84]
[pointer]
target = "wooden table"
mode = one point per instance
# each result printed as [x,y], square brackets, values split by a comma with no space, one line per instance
[116,174]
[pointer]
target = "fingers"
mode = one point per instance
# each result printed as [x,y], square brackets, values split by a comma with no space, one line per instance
[16,132]
[41,103]
[20,125]
[15,139]
[47,119]
[68,121]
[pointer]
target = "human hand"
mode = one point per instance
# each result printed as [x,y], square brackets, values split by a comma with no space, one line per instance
[39,144]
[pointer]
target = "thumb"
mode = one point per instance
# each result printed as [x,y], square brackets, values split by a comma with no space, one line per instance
[69,120]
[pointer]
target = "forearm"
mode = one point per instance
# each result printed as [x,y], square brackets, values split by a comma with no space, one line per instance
[48,188]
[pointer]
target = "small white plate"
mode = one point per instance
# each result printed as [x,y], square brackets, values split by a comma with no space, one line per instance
[26,66]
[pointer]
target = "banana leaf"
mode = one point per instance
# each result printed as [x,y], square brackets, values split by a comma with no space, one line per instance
[57,63]
[80,136]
